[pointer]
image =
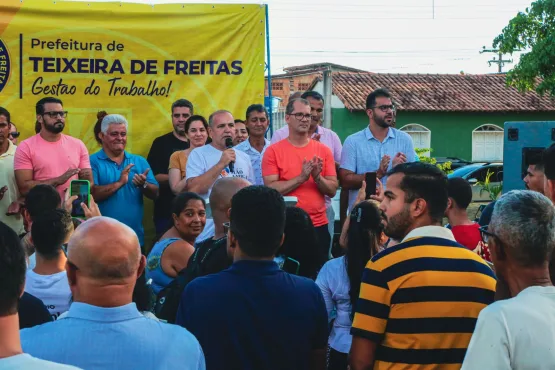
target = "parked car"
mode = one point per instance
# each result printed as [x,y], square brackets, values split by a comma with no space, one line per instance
[477,172]
[455,162]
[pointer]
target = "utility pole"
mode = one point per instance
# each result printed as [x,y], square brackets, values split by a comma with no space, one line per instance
[500,62]
[327,96]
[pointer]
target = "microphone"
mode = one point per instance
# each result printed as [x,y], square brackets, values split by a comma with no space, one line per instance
[228,145]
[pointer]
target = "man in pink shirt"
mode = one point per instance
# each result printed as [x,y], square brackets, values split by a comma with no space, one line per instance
[51,157]
[321,134]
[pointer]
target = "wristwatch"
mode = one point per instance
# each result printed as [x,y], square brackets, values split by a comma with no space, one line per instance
[145,185]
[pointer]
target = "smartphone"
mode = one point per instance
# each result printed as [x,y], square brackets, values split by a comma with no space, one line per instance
[291,266]
[81,188]
[371,179]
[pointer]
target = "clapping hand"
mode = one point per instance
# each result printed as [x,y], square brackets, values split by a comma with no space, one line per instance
[384,165]
[139,180]
[308,166]
[3,191]
[124,177]
[399,159]
[317,166]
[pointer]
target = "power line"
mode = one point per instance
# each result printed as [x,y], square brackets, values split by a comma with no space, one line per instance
[378,52]
[420,11]
[500,62]
[366,5]
[378,38]
[387,19]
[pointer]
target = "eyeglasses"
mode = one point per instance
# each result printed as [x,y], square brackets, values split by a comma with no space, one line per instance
[14,135]
[53,114]
[485,234]
[184,115]
[226,227]
[385,108]
[301,116]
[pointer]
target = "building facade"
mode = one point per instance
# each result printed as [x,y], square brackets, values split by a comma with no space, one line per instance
[456,115]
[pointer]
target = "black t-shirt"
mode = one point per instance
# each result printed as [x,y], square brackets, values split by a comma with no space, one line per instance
[218,259]
[32,312]
[159,159]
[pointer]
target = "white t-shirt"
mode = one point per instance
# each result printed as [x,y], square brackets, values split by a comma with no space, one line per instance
[514,334]
[334,283]
[204,158]
[28,362]
[52,290]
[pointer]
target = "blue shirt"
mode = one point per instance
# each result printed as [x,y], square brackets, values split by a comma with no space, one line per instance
[362,153]
[120,338]
[256,158]
[255,316]
[126,204]
[154,270]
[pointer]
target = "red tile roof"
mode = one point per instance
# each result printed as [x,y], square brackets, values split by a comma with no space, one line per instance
[455,93]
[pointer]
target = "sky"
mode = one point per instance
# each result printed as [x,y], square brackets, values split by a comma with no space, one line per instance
[404,36]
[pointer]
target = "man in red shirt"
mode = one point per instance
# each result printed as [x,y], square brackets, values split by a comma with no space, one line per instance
[304,168]
[465,231]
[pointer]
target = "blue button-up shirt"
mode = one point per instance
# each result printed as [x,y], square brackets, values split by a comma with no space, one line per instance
[92,337]
[126,204]
[362,153]
[256,158]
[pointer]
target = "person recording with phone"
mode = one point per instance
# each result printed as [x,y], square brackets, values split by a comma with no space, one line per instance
[122,178]
[48,279]
[216,160]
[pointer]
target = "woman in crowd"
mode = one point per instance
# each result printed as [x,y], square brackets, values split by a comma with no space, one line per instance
[300,244]
[98,126]
[196,128]
[340,278]
[171,253]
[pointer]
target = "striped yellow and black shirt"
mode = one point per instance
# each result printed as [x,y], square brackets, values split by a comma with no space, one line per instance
[420,300]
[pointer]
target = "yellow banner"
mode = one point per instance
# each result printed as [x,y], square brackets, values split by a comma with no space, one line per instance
[130,59]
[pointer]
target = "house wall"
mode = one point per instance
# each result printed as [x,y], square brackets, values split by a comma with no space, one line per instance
[290,85]
[451,133]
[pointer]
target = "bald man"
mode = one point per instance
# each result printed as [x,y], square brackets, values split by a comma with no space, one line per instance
[103,328]
[225,188]
[220,204]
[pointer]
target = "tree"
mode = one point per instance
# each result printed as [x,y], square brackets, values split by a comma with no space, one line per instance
[532,31]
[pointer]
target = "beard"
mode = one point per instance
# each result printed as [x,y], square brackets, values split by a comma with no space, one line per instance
[380,121]
[397,226]
[55,128]
[180,131]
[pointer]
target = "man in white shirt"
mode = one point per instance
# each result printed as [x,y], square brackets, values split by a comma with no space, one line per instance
[211,162]
[48,280]
[9,193]
[255,145]
[518,333]
[12,276]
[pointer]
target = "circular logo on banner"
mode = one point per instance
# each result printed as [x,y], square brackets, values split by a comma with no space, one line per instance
[5,65]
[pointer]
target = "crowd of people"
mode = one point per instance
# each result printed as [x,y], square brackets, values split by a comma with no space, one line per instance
[241,274]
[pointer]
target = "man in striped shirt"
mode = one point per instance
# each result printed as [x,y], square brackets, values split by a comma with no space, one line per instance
[419,300]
